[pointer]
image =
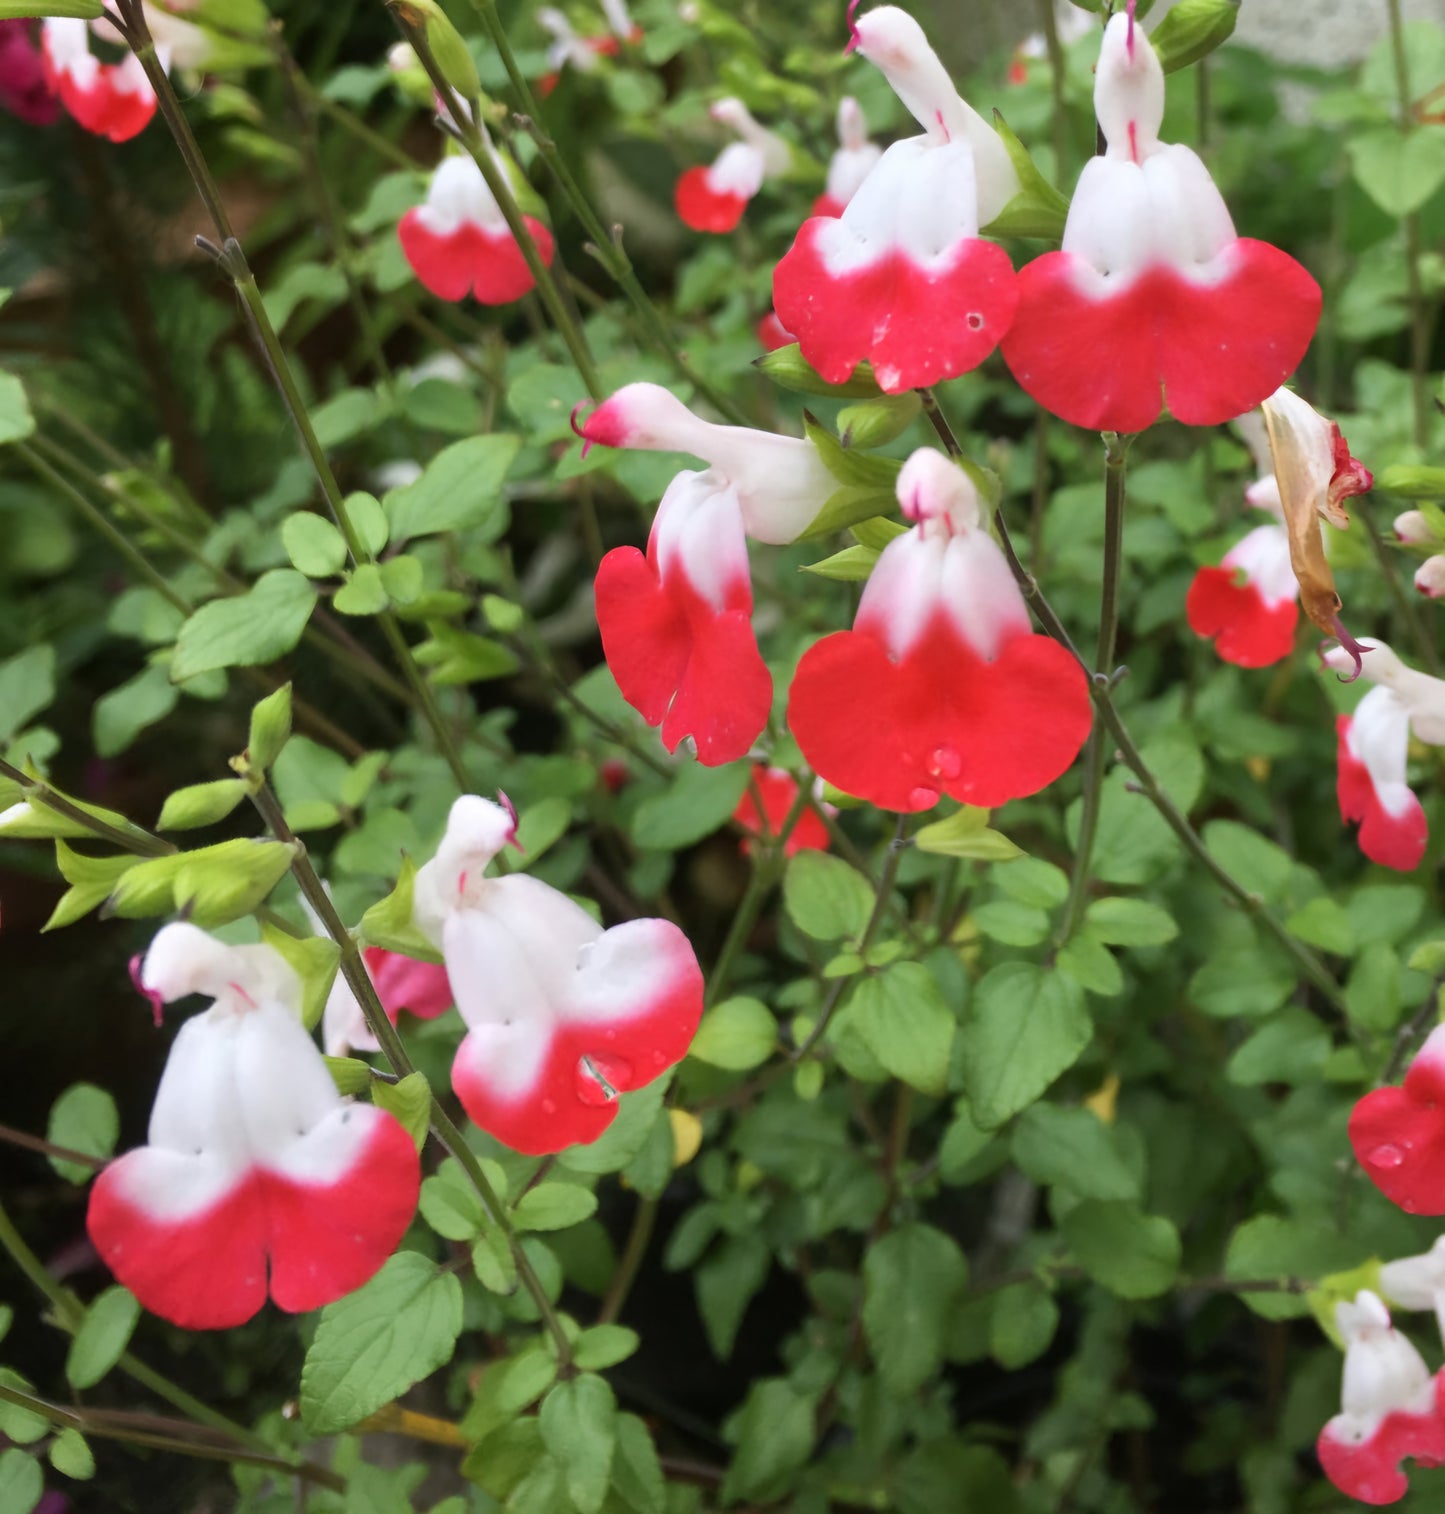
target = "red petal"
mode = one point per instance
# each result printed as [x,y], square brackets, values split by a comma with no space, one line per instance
[207,1270]
[501,274]
[403,983]
[771,333]
[1212,351]
[1248,632]
[1394,841]
[779,793]
[702,207]
[679,663]
[941,720]
[916,325]
[470,260]
[1370,1470]
[1398,1135]
[118,114]
[826,205]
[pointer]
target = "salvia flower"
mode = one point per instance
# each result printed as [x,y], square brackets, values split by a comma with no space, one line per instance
[714,198]
[458,242]
[676,624]
[1153,299]
[1430,577]
[1398,1134]
[24,90]
[763,811]
[941,687]
[854,160]
[1391,1408]
[1374,748]
[562,1016]
[113,100]
[902,277]
[401,983]
[255,1164]
[1418,1282]
[1413,528]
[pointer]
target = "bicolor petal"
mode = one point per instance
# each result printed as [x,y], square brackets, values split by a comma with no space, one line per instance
[1248,604]
[941,687]
[1392,1409]
[1413,528]
[1398,1133]
[113,100]
[1430,577]
[1153,299]
[1371,787]
[459,243]
[562,1015]
[764,809]
[1418,1282]
[402,983]
[851,164]
[257,1175]
[676,624]
[713,198]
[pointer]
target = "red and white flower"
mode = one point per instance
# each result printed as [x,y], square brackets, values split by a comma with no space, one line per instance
[402,983]
[1391,1408]
[257,1175]
[1430,577]
[459,243]
[113,100]
[1413,528]
[562,1016]
[1153,298]
[1374,748]
[1398,1134]
[902,278]
[763,811]
[714,198]
[676,623]
[1418,1282]
[940,687]
[854,160]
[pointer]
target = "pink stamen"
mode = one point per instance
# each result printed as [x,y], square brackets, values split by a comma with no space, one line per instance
[1129,39]
[589,405]
[157,1001]
[854,40]
[942,125]
[511,810]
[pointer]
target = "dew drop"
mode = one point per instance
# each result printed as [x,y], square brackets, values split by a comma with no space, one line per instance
[945,762]
[549,1106]
[1386,1156]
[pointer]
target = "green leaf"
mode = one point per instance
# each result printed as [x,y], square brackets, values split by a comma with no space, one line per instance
[876,422]
[851,565]
[774,1431]
[345,416]
[1260,865]
[314,959]
[904,1022]
[1021,1324]
[554,1206]
[450,1205]
[852,468]
[1192,30]
[1033,881]
[270,728]
[725,1284]
[579,1427]
[1134,844]
[1412,481]
[220,883]
[1268,1248]
[315,547]
[1091,965]
[103,1335]
[789,369]
[1324,924]
[23,1426]
[698,801]
[390,924]
[1012,923]
[459,491]
[966,834]
[71,1456]
[128,709]
[201,804]
[1130,1253]
[85,1119]
[1025,1026]
[92,878]
[248,630]
[825,897]
[16,421]
[1038,209]
[1130,922]
[27,686]
[913,1278]
[1292,1047]
[350,1074]
[1399,170]
[1372,993]
[1072,1149]
[22,1483]
[454,656]
[373,1345]
[363,593]
[604,1346]
[738,1034]
[410,1101]
[850,506]
[637,1480]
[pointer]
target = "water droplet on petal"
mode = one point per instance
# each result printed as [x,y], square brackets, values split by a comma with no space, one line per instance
[549,1106]
[1386,1156]
[945,762]
[601,1077]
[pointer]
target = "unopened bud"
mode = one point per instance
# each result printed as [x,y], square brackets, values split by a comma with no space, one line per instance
[1412,527]
[1430,577]
[875,423]
[1192,30]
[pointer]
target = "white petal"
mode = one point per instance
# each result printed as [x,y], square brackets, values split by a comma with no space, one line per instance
[698,533]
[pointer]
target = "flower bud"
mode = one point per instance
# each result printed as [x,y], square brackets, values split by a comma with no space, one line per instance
[1412,527]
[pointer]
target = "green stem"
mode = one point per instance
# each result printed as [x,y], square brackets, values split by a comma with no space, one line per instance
[231,256]
[1056,85]
[135,840]
[353,968]
[839,986]
[644,1220]
[1116,450]
[605,245]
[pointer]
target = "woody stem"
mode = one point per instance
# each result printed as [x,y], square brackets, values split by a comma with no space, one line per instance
[353,968]
[1116,451]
